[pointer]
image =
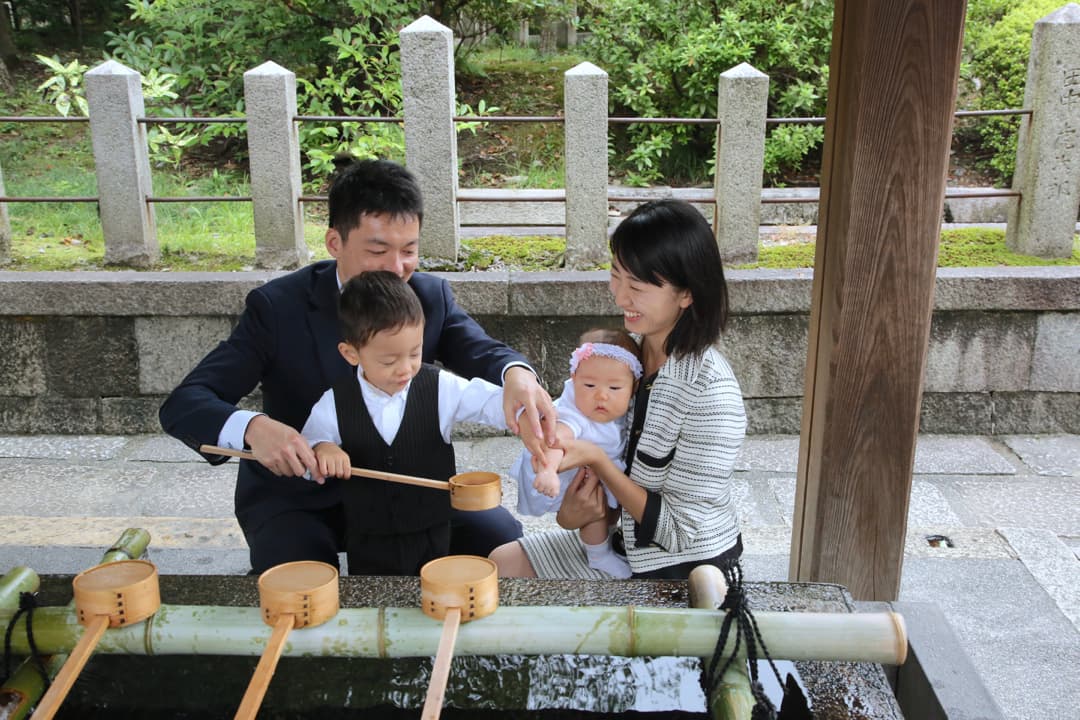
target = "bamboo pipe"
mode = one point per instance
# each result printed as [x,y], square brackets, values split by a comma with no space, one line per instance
[732,699]
[16,581]
[25,686]
[627,631]
[356,472]
[131,545]
[440,669]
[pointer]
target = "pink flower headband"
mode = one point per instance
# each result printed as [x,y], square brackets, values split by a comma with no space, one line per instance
[614,352]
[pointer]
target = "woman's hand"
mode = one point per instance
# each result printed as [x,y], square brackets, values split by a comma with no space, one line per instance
[583,502]
[578,453]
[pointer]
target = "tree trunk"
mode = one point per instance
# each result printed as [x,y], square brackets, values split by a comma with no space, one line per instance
[548,32]
[75,13]
[5,79]
[8,53]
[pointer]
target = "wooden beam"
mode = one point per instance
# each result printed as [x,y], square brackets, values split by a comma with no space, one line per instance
[892,91]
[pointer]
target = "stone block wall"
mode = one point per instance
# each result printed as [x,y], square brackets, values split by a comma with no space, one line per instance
[89,353]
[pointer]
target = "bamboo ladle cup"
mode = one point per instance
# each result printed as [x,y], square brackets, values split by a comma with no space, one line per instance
[454,589]
[117,594]
[292,595]
[468,491]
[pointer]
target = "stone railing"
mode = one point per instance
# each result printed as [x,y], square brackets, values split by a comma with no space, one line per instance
[96,352]
[1047,176]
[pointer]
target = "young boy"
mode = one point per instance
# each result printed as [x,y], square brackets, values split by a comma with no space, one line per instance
[394,415]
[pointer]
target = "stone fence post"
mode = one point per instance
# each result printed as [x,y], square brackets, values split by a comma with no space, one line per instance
[274,164]
[122,164]
[585,97]
[5,225]
[427,89]
[1047,174]
[742,107]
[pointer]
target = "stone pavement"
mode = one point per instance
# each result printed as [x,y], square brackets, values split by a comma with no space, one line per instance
[1009,584]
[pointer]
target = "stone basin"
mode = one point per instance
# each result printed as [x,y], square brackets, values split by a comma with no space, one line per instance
[562,686]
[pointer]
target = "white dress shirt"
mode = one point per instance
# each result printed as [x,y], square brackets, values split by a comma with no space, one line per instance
[460,400]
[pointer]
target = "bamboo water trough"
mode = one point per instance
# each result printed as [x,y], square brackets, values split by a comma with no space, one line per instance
[628,631]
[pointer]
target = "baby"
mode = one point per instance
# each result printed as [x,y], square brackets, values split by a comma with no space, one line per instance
[593,406]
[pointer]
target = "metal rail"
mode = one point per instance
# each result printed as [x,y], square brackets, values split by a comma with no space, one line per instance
[505,196]
[198,198]
[613,120]
[40,199]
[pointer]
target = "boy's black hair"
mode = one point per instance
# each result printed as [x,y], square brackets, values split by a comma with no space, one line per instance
[374,301]
[371,187]
[670,241]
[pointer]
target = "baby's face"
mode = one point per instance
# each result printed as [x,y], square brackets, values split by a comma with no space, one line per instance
[603,387]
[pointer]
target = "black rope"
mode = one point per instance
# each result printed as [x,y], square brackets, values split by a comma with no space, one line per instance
[739,617]
[27,603]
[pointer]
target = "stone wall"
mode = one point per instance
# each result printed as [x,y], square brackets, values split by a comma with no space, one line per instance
[96,352]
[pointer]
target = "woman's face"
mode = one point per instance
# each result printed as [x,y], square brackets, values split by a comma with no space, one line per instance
[648,310]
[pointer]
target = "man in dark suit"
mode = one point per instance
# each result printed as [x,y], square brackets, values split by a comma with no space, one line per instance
[286,342]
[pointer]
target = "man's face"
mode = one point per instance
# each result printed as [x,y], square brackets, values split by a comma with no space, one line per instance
[378,242]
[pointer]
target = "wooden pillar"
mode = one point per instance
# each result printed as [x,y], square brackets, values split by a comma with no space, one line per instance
[892,90]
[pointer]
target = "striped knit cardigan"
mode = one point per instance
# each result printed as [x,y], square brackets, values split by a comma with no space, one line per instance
[694,426]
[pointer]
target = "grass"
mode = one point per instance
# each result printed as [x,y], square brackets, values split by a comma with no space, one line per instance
[518,81]
[961,247]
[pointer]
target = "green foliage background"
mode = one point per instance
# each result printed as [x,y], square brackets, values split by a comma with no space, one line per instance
[664,58]
[997,44]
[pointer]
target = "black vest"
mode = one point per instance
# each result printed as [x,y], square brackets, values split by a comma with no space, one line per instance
[382,507]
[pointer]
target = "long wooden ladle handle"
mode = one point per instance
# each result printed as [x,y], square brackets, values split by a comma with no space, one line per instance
[256,689]
[440,669]
[357,472]
[52,699]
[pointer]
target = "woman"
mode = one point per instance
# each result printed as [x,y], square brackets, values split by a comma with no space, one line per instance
[676,505]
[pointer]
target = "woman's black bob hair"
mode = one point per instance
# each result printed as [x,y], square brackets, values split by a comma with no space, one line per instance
[670,241]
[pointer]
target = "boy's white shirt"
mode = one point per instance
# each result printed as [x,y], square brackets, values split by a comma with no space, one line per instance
[460,400]
[232,432]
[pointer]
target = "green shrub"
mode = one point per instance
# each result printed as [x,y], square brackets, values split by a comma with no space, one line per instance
[664,59]
[997,44]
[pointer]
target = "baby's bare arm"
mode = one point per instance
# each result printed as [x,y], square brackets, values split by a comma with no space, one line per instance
[547,467]
[546,481]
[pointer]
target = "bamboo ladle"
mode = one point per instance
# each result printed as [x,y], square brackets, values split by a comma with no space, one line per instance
[117,594]
[477,490]
[454,589]
[292,595]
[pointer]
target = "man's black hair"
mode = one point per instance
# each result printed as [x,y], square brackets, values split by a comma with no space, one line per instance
[371,187]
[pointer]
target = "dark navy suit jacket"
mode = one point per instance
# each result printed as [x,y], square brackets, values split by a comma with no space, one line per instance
[286,341]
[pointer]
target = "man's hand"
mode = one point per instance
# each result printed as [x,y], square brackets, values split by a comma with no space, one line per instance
[583,502]
[521,390]
[280,448]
